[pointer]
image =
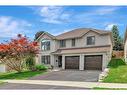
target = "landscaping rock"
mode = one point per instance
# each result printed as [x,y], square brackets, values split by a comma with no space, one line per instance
[103,74]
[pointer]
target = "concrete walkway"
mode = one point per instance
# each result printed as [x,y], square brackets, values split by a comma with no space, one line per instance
[69,83]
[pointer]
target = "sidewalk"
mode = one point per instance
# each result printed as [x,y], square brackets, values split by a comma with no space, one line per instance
[69,83]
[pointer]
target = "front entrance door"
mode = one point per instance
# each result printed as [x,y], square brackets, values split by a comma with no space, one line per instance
[59,61]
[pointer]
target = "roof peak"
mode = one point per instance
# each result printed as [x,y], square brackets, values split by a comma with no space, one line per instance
[79,32]
[84,29]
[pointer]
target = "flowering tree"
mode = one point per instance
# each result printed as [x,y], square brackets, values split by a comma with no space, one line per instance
[14,53]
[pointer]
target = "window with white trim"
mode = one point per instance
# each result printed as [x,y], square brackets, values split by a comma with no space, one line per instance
[45,45]
[91,40]
[45,59]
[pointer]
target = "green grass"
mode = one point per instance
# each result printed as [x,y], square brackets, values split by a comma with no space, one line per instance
[117,72]
[22,75]
[114,63]
[117,75]
[1,82]
[99,88]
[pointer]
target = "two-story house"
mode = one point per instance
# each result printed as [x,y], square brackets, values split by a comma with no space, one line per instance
[83,49]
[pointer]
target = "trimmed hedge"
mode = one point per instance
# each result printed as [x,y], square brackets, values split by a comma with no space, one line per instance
[116,62]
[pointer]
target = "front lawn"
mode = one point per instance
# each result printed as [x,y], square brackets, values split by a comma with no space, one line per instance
[117,75]
[1,82]
[117,72]
[116,62]
[99,88]
[22,75]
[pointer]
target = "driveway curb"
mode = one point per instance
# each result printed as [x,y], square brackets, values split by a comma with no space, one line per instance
[69,83]
[56,83]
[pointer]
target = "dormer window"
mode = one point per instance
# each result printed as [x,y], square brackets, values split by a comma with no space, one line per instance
[45,45]
[91,40]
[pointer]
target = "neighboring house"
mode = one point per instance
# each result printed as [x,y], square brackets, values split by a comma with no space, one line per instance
[83,49]
[125,46]
[2,67]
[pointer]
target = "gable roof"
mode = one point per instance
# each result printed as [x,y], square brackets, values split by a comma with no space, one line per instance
[53,37]
[76,33]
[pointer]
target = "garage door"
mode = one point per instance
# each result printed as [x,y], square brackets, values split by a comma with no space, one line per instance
[93,62]
[72,62]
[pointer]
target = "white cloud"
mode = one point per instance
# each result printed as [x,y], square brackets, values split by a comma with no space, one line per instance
[105,10]
[56,32]
[109,26]
[53,14]
[10,27]
[59,14]
[99,15]
[97,12]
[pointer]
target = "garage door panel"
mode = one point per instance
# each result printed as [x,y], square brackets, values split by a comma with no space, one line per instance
[72,62]
[93,62]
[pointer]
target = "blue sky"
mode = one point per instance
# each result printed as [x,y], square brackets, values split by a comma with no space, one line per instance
[28,20]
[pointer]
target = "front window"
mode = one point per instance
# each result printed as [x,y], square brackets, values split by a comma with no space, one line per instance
[45,45]
[91,40]
[73,42]
[62,43]
[45,59]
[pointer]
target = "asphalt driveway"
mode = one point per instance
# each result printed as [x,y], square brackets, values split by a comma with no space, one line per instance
[70,75]
[63,75]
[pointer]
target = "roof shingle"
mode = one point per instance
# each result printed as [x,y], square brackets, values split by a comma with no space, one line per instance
[78,33]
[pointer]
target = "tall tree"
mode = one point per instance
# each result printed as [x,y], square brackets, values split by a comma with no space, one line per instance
[15,52]
[117,40]
[38,34]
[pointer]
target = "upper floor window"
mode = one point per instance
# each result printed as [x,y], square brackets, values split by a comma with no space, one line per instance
[73,42]
[62,43]
[91,40]
[45,45]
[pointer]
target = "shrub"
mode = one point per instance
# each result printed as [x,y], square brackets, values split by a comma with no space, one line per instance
[116,62]
[40,67]
[14,52]
[30,63]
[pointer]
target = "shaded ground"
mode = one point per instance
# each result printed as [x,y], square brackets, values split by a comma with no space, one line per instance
[70,75]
